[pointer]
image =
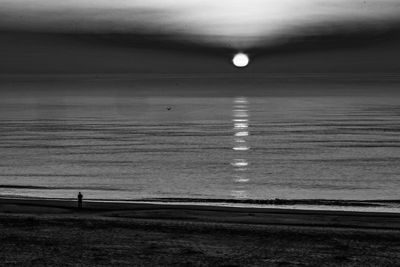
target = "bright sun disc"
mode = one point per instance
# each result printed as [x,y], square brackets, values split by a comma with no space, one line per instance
[240,60]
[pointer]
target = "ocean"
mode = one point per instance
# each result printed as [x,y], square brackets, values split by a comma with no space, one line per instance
[118,147]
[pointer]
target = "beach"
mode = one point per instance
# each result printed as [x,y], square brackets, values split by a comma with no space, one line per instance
[54,232]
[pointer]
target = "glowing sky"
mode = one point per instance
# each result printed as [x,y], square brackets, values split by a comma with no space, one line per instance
[238,24]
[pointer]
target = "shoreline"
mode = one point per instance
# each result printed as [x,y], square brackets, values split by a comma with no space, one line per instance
[204,213]
[372,205]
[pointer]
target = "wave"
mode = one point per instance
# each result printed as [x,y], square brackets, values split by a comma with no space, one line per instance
[322,202]
[12,186]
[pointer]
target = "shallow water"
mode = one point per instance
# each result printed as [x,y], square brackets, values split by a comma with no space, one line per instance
[126,147]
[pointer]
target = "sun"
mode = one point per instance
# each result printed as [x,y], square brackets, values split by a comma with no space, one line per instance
[240,60]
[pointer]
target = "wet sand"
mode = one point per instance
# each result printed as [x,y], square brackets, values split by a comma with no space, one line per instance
[55,232]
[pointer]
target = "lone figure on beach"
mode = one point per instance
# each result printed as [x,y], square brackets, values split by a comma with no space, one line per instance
[80,197]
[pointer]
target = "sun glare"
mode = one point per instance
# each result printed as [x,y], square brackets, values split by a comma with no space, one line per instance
[240,60]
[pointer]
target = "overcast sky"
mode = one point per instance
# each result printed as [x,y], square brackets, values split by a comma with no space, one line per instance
[161,36]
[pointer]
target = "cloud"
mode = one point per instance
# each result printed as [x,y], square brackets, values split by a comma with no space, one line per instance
[229,23]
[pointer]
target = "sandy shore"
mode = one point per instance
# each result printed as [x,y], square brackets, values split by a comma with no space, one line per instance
[53,232]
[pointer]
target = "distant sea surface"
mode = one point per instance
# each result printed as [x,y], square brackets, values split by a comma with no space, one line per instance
[125,147]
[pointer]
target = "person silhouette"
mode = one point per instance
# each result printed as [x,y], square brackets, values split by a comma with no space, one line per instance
[80,197]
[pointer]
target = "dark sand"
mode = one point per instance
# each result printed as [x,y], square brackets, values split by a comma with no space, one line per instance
[54,232]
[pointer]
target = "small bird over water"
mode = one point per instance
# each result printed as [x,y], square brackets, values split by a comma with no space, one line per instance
[169,108]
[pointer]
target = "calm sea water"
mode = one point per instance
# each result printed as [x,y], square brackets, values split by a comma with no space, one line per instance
[119,147]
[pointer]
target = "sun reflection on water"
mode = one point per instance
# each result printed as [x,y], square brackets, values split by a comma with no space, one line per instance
[241,133]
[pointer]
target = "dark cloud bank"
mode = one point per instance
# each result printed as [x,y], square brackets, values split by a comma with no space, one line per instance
[38,52]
